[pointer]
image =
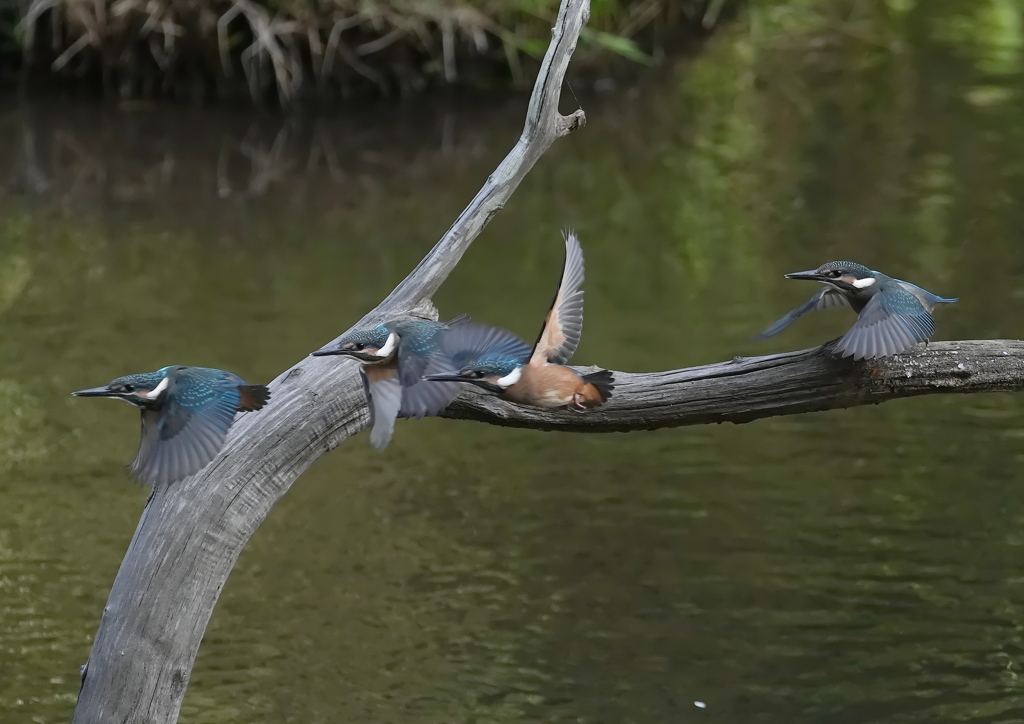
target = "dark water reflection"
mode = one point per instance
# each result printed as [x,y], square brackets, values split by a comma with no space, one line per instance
[855,566]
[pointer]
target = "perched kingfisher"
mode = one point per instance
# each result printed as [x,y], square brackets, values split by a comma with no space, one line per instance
[892,315]
[497,360]
[395,356]
[186,413]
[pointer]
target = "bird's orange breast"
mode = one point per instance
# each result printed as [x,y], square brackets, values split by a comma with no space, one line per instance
[548,386]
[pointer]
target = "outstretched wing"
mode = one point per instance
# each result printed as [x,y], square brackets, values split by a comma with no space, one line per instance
[824,298]
[890,323]
[385,393]
[178,441]
[563,327]
[467,344]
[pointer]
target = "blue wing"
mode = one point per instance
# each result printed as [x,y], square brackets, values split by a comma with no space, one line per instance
[418,344]
[189,430]
[824,298]
[178,441]
[891,322]
[470,343]
[426,399]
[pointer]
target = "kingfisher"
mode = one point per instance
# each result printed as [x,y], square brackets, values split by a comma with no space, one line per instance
[395,356]
[186,414]
[500,362]
[892,315]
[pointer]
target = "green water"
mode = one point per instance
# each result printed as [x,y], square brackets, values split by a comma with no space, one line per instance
[853,566]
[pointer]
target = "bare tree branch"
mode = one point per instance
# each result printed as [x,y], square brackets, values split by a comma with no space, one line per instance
[191,533]
[746,389]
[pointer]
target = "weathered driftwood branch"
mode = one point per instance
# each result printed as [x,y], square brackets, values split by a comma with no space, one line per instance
[191,533]
[751,388]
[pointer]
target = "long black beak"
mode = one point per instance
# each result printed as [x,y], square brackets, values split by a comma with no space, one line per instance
[96,392]
[446,378]
[354,354]
[810,275]
[330,352]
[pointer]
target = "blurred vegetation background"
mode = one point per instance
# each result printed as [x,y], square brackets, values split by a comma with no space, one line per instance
[290,50]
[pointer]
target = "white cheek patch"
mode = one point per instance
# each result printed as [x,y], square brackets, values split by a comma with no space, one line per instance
[389,346]
[510,379]
[864,283]
[155,393]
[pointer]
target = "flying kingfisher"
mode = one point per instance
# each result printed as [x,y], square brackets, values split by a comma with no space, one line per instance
[186,413]
[892,315]
[498,361]
[395,356]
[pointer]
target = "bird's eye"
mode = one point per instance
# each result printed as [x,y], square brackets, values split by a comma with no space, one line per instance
[128,388]
[835,273]
[358,346]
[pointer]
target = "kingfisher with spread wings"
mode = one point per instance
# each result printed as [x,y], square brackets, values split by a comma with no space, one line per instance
[892,315]
[395,356]
[186,414]
[498,361]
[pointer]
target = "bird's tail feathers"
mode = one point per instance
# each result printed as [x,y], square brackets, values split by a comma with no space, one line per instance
[253,397]
[603,381]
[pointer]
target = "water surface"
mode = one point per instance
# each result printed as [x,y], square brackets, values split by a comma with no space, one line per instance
[852,566]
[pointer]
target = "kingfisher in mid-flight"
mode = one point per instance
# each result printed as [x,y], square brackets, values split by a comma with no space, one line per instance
[892,315]
[498,361]
[186,414]
[395,356]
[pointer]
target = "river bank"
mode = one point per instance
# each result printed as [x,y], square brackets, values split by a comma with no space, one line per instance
[291,52]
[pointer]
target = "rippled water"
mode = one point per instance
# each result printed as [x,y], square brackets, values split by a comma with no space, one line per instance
[853,566]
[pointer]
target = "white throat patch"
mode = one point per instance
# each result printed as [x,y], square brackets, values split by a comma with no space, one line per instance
[510,379]
[864,283]
[155,392]
[389,346]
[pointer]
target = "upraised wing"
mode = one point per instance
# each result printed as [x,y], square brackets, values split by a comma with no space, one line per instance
[888,324]
[824,298]
[563,327]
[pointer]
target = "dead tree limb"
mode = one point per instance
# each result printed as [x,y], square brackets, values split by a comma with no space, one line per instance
[746,389]
[191,533]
